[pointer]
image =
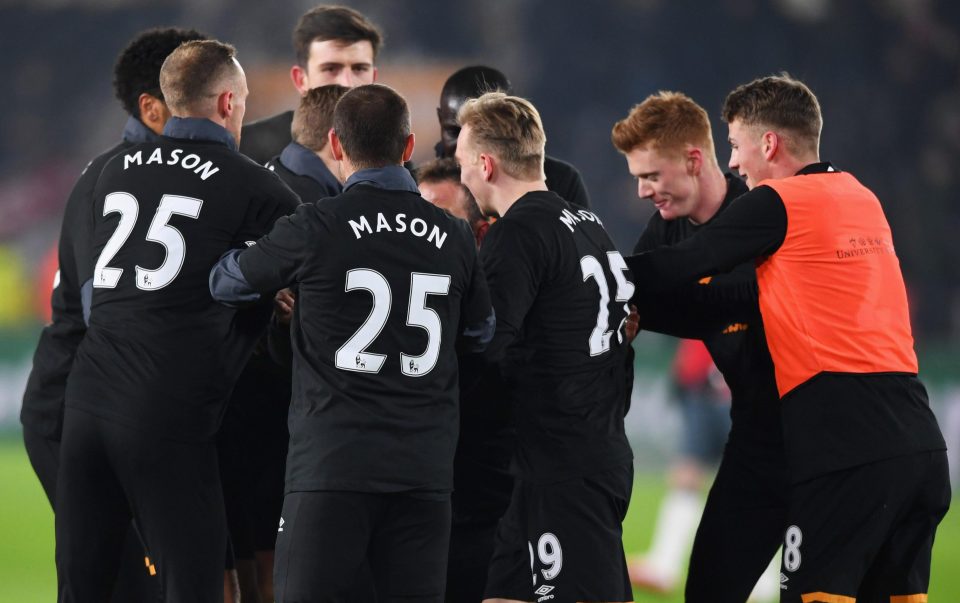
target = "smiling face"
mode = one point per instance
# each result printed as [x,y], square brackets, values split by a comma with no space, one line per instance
[471,170]
[667,179]
[447,195]
[746,153]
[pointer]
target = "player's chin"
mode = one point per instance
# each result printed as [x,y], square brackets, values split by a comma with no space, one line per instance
[668,212]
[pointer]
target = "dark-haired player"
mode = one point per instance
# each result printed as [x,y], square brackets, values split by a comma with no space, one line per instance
[136,84]
[152,374]
[471,82]
[560,290]
[333,45]
[389,288]
[253,437]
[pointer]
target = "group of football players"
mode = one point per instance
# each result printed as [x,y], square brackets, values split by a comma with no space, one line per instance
[285,364]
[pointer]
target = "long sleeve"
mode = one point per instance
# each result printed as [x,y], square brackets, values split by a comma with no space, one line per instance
[754,226]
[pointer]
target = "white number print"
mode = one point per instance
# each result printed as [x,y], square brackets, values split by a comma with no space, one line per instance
[171,238]
[126,204]
[591,267]
[420,315]
[352,355]
[791,548]
[160,231]
[550,555]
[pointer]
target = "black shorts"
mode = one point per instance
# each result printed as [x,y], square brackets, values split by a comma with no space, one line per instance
[44,455]
[563,541]
[134,580]
[110,474]
[328,540]
[471,546]
[741,527]
[865,533]
[252,444]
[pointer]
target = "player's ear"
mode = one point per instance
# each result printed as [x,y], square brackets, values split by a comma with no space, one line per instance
[299,76]
[770,143]
[488,165]
[408,148]
[153,112]
[335,147]
[694,160]
[225,104]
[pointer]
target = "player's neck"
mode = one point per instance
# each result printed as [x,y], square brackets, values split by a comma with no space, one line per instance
[786,164]
[511,189]
[713,189]
[326,156]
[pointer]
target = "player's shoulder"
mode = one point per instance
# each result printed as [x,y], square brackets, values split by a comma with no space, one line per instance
[264,138]
[559,168]
[95,165]
[364,210]
[279,120]
[735,185]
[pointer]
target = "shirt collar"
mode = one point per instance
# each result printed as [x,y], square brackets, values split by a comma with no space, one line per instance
[198,128]
[817,168]
[391,177]
[134,131]
[303,162]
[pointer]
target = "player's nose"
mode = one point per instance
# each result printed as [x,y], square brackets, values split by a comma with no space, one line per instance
[348,79]
[644,189]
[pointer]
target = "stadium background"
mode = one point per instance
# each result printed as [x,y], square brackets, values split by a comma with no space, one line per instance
[887,73]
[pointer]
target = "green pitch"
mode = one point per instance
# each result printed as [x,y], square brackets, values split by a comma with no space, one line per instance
[26,535]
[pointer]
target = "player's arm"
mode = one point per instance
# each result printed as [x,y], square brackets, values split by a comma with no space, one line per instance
[60,339]
[477,318]
[513,262]
[272,263]
[279,344]
[693,310]
[754,226]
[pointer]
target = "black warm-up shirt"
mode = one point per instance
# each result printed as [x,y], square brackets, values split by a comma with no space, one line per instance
[386,286]
[42,410]
[833,420]
[160,355]
[263,139]
[305,173]
[559,288]
[721,310]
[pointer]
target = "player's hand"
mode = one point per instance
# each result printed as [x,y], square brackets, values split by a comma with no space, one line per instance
[283,305]
[632,325]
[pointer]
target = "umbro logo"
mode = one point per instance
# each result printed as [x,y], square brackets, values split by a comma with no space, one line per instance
[543,590]
[280,529]
[783,581]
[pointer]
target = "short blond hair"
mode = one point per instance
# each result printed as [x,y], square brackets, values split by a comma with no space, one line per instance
[510,128]
[195,73]
[665,121]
